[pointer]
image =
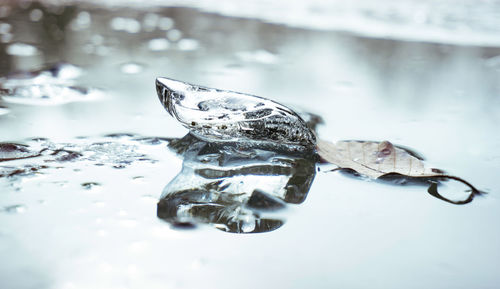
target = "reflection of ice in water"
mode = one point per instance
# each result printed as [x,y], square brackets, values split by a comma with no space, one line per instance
[234,188]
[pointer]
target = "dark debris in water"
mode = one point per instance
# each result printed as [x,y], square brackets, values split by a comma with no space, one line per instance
[63,155]
[14,151]
[184,225]
[26,170]
[114,150]
[90,185]
[14,209]
[119,135]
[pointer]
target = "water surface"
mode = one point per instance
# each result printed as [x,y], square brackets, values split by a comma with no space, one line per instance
[79,111]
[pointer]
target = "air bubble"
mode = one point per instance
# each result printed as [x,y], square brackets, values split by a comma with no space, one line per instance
[158,44]
[6,38]
[188,44]
[65,71]
[174,35]
[21,49]
[150,21]
[4,11]
[129,25]
[165,23]
[131,68]
[82,21]
[102,50]
[97,39]
[36,15]
[260,56]
[5,28]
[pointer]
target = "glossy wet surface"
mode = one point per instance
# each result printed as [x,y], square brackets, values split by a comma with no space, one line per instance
[85,154]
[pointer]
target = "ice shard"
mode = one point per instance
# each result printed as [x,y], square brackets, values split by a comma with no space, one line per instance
[224,116]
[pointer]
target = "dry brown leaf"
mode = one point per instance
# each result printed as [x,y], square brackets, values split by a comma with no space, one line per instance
[378,159]
[374,159]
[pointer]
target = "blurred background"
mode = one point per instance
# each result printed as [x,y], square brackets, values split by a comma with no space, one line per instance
[424,74]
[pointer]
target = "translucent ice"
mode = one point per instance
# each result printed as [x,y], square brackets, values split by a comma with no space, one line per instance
[235,188]
[219,115]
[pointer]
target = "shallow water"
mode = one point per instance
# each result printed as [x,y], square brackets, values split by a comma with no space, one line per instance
[79,111]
